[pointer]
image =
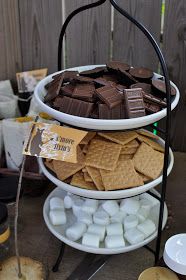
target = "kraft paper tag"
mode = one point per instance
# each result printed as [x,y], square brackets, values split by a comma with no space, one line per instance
[53,141]
[28,80]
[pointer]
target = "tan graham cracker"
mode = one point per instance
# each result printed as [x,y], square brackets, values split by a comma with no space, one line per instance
[88,137]
[96,177]
[125,157]
[85,149]
[87,177]
[150,142]
[148,161]
[147,133]
[144,178]
[50,165]
[79,181]
[128,150]
[123,177]
[132,144]
[64,169]
[102,154]
[120,137]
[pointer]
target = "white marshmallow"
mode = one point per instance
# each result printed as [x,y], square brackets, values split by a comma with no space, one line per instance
[111,207]
[68,201]
[90,239]
[154,201]
[147,227]
[145,204]
[84,217]
[134,236]
[90,206]
[114,241]
[76,231]
[130,206]
[118,217]
[56,203]
[57,217]
[142,215]
[97,229]
[130,221]
[101,218]
[114,229]
[77,206]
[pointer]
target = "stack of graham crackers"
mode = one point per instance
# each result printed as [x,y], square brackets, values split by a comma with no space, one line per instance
[112,161]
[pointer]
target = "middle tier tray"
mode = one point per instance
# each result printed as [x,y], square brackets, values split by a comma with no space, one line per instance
[116,194]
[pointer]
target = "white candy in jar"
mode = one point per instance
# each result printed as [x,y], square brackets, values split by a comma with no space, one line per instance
[97,229]
[77,206]
[134,236]
[145,204]
[130,221]
[91,240]
[130,206]
[76,231]
[114,229]
[68,201]
[57,217]
[114,241]
[84,217]
[56,203]
[111,207]
[147,227]
[142,214]
[118,217]
[101,217]
[90,206]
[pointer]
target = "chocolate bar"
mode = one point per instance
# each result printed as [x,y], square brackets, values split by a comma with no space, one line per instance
[141,73]
[94,73]
[68,90]
[109,95]
[160,89]
[54,89]
[76,107]
[58,102]
[118,112]
[145,87]
[84,92]
[152,108]
[114,66]
[103,82]
[134,103]
[153,99]
[126,78]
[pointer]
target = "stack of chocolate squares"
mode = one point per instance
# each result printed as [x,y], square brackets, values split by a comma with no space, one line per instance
[116,91]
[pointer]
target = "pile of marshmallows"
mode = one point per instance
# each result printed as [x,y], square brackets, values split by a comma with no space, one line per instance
[110,221]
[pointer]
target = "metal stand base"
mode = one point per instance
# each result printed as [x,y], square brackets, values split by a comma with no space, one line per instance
[59,259]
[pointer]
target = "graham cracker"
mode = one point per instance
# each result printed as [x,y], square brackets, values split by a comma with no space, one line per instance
[148,161]
[147,133]
[150,142]
[64,169]
[143,177]
[88,137]
[120,137]
[125,157]
[50,165]
[87,177]
[96,177]
[102,154]
[123,177]
[128,150]
[79,181]
[132,144]
[85,149]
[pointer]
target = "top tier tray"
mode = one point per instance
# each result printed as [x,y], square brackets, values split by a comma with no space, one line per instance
[98,124]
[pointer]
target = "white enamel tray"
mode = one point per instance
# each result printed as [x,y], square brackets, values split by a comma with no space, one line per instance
[107,194]
[98,124]
[59,231]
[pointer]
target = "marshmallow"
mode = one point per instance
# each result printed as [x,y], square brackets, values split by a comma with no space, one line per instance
[130,221]
[134,236]
[98,230]
[90,206]
[76,231]
[111,207]
[84,217]
[154,201]
[57,217]
[136,197]
[114,229]
[118,217]
[56,203]
[68,201]
[130,206]
[142,215]
[101,218]
[114,241]
[77,205]
[147,227]
[90,239]
[145,204]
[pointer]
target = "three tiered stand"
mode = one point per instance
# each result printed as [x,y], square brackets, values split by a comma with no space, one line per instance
[95,259]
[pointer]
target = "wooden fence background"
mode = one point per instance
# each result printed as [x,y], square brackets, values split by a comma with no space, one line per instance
[29,31]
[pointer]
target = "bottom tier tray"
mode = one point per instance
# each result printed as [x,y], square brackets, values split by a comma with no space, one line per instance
[59,231]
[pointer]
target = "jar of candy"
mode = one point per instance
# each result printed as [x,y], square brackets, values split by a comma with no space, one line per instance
[4,232]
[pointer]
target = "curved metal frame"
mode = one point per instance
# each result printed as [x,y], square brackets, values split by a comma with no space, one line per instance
[168,95]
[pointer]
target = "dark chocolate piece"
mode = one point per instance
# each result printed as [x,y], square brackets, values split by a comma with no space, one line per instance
[68,90]
[109,95]
[58,102]
[154,100]
[76,107]
[94,73]
[120,88]
[134,103]
[160,89]
[126,78]
[118,112]
[84,92]
[145,87]
[83,79]
[54,89]
[114,66]
[103,82]
[111,78]
[152,108]
[141,73]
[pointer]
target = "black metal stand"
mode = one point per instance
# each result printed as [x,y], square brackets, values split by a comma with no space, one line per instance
[97,265]
[59,259]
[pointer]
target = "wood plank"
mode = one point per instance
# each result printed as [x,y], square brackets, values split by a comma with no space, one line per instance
[130,45]
[88,34]
[10,58]
[175,54]
[40,28]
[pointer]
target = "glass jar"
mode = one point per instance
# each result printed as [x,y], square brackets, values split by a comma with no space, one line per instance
[4,232]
